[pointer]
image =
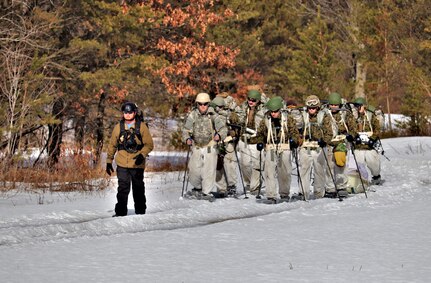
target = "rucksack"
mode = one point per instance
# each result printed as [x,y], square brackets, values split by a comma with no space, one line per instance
[126,140]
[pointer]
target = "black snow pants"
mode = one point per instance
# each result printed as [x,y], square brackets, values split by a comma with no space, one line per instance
[127,177]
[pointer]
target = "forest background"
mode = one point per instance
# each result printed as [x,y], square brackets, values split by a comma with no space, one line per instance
[67,66]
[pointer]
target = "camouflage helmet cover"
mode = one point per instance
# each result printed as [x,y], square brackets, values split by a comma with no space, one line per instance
[203,98]
[312,101]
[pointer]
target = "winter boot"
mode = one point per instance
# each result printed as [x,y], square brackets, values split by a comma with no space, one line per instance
[269,201]
[208,197]
[220,194]
[231,191]
[296,197]
[330,195]
[193,194]
[284,199]
[377,180]
[342,193]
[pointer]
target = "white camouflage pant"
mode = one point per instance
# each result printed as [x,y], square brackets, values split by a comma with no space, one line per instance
[278,173]
[227,176]
[202,168]
[250,165]
[371,158]
[312,159]
[338,173]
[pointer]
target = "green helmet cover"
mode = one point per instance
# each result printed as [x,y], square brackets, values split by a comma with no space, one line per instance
[218,101]
[275,103]
[254,94]
[371,108]
[334,98]
[359,100]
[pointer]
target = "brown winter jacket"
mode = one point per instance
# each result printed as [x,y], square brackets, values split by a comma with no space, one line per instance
[123,158]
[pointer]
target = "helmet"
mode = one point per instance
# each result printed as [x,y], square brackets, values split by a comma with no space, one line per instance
[275,103]
[254,94]
[218,101]
[334,98]
[129,107]
[360,101]
[371,108]
[203,97]
[312,101]
[224,94]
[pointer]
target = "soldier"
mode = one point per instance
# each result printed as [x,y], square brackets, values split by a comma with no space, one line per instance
[230,103]
[343,132]
[203,129]
[316,134]
[226,176]
[369,132]
[251,113]
[279,134]
[130,143]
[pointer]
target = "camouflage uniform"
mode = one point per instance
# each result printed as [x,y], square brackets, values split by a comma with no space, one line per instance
[276,133]
[226,176]
[250,160]
[343,124]
[229,101]
[201,128]
[311,155]
[369,132]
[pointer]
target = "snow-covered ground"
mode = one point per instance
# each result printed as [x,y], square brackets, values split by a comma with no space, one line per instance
[73,238]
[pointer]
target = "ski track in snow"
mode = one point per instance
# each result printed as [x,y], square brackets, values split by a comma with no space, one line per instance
[180,214]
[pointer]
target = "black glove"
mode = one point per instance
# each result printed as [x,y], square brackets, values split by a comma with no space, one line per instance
[371,143]
[350,138]
[259,146]
[321,143]
[139,159]
[109,168]
[358,139]
[293,144]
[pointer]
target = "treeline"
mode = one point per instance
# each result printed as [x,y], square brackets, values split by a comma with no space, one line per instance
[68,65]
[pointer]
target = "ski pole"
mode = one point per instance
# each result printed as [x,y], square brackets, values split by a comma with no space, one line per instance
[330,173]
[295,153]
[259,147]
[357,167]
[383,151]
[240,172]
[225,175]
[185,172]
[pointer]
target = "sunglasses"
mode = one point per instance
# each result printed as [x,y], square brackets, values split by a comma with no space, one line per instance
[203,104]
[252,99]
[128,112]
[312,107]
[276,111]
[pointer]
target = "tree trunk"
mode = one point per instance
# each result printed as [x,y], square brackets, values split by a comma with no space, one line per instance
[99,127]
[80,130]
[361,77]
[55,133]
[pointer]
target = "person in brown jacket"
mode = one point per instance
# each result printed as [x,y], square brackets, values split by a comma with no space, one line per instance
[130,143]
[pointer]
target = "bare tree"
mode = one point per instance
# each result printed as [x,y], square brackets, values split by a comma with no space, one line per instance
[25,88]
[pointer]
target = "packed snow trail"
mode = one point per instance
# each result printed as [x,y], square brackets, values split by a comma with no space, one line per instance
[176,214]
[182,214]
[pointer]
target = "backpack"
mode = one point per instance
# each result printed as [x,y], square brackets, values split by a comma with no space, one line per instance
[381,117]
[326,111]
[126,140]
